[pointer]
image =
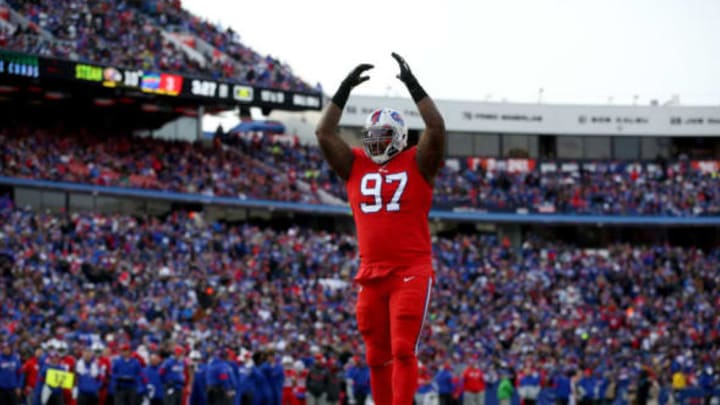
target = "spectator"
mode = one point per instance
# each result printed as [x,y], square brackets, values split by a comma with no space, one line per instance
[300,389]
[427,389]
[358,380]
[260,374]
[444,381]
[30,370]
[679,384]
[198,391]
[643,388]
[335,382]
[708,383]
[220,384]
[10,375]
[473,384]
[561,383]
[48,391]
[89,379]
[317,382]
[126,377]
[505,389]
[529,386]
[172,375]
[151,373]
[245,386]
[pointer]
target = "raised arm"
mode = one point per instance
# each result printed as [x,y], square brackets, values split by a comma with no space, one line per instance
[431,145]
[336,151]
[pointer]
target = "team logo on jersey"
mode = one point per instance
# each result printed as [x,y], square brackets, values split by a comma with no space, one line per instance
[397,118]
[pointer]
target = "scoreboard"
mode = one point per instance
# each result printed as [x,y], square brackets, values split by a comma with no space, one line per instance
[153,82]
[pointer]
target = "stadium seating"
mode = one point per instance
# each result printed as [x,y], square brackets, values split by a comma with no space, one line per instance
[146,163]
[271,170]
[676,189]
[118,34]
[611,310]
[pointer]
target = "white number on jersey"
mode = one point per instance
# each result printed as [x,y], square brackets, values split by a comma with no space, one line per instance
[371,186]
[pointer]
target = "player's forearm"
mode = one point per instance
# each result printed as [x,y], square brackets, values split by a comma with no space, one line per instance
[337,153]
[431,145]
[434,122]
[328,124]
[433,139]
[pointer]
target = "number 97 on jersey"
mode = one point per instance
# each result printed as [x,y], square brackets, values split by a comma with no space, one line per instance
[384,190]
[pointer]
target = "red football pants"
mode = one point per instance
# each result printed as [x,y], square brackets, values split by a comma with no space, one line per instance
[390,314]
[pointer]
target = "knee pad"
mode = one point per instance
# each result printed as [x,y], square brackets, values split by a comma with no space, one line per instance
[378,358]
[403,349]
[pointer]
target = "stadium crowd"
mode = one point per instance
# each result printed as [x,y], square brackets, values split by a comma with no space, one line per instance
[129,34]
[271,307]
[145,163]
[257,166]
[627,188]
[249,66]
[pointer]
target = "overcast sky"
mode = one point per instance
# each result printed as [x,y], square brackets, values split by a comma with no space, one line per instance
[578,51]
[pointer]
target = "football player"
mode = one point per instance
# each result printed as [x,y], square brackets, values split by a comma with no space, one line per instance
[389,188]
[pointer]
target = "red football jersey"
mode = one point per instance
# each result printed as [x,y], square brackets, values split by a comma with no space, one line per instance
[31,368]
[300,387]
[390,204]
[473,380]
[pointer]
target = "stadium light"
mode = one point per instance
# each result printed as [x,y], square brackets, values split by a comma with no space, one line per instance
[103,102]
[8,89]
[54,95]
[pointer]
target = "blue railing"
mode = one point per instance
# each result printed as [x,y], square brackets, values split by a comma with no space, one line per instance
[327,209]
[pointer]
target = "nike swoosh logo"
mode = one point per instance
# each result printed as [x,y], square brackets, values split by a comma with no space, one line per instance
[406,279]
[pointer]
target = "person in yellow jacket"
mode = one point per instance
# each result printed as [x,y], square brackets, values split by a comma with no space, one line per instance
[679,383]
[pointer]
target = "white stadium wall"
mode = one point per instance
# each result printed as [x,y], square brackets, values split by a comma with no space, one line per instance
[512,118]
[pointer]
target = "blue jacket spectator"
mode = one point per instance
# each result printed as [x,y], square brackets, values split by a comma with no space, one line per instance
[243,381]
[275,374]
[444,380]
[198,392]
[359,374]
[707,381]
[561,382]
[588,385]
[172,372]
[261,378]
[219,376]
[529,385]
[89,379]
[155,389]
[10,364]
[126,372]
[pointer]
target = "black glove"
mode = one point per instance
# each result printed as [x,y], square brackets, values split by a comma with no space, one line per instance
[406,76]
[353,79]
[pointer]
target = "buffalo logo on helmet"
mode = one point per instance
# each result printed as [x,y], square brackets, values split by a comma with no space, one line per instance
[397,117]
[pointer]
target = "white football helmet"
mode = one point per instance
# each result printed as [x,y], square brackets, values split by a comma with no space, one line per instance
[386,135]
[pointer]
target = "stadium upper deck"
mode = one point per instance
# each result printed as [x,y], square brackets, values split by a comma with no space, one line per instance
[149,35]
[564,132]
